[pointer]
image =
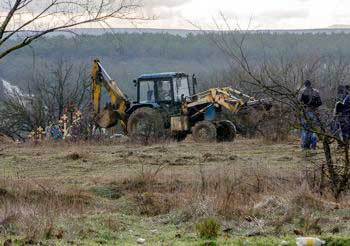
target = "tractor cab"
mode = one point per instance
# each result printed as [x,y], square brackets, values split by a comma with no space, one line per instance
[164,88]
[164,92]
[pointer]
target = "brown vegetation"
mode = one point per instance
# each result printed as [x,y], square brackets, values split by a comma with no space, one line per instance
[32,209]
[249,187]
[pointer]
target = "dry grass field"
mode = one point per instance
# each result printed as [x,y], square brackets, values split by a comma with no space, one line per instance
[115,192]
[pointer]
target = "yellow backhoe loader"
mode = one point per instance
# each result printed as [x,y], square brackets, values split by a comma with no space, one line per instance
[168,105]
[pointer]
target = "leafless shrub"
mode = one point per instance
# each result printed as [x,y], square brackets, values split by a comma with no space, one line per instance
[14,117]
[51,94]
[152,204]
[145,174]
[60,87]
[232,192]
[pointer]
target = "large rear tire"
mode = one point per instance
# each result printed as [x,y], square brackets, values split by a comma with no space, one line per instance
[204,131]
[146,125]
[226,131]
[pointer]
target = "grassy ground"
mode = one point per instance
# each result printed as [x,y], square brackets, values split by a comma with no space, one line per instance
[115,192]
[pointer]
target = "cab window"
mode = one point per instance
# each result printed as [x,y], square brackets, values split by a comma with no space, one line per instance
[164,90]
[146,93]
[181,88]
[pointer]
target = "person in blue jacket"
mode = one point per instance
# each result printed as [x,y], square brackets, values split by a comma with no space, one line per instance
[310,101]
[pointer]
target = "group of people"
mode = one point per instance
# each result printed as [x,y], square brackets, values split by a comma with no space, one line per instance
[310,100]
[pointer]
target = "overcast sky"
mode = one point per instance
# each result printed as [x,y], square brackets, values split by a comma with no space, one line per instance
[265,14]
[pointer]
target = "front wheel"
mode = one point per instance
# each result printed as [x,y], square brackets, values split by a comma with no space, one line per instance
[204,131]
[226,131]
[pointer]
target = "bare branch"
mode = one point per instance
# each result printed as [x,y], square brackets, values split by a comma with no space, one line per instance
[33,19]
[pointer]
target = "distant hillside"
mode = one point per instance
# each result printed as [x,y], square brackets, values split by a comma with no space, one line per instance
[340,26]
[102,31]
[126,54]
[184,32]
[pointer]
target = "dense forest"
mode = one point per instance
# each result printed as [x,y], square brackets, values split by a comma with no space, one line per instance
[127,55]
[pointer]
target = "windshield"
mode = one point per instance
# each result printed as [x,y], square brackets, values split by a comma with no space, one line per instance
[147,92]
[181,88]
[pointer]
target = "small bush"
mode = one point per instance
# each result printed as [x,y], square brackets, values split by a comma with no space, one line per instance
[211,243]
[74,156]
[3,192]
[208,228]
[153,204]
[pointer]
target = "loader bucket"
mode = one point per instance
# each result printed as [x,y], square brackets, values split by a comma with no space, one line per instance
[263,104]
[107,118]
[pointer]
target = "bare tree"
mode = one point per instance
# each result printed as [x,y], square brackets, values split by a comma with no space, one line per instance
[55,89]
[24,21]
[15,117]
[280,77]
[60,86]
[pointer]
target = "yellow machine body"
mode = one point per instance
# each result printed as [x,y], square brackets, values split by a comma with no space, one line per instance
[113,112]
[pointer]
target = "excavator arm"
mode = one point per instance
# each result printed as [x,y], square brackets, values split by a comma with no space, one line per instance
[115,110]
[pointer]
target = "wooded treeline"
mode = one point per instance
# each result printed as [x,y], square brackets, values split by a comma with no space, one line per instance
[126,56]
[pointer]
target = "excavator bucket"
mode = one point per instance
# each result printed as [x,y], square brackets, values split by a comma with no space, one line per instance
[107,118]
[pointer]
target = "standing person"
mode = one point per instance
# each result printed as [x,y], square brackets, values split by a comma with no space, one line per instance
[343,113]
[342,92]
[339,118]
[310,100]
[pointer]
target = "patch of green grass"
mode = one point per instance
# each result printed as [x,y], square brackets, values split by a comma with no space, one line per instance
[208,228]
[110,192]
[337,240]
